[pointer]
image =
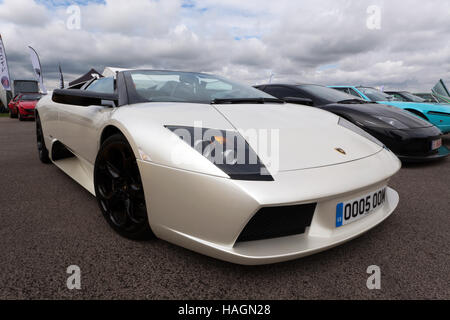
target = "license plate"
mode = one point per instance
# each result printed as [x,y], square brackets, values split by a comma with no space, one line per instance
[353,210]
[436,144]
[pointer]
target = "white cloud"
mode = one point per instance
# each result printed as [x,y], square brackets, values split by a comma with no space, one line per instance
[323,41]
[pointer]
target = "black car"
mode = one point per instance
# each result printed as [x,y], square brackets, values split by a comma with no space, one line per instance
[410,138]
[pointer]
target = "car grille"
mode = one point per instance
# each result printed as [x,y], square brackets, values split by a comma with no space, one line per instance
[419,147]
[275,222]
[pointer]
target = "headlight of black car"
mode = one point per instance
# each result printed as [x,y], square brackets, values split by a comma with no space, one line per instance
[392,122]
[228,150]
[347,124]
[376,121]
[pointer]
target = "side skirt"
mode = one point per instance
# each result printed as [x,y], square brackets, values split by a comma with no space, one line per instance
[75,167]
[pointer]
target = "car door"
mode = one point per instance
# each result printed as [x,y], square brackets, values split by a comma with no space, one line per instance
[80,125]
[12,104]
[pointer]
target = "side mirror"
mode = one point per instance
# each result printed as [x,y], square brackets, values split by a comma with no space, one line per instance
[84,98]
[305,101]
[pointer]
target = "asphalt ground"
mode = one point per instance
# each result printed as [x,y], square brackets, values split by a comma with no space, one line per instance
[48,222]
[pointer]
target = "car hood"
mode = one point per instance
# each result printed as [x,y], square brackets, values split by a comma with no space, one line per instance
[417,105]
[27,104]
[370,110]
[307,137]
[301,137]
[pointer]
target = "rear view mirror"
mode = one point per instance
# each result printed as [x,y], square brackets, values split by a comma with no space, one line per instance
[304,101]
[84,98]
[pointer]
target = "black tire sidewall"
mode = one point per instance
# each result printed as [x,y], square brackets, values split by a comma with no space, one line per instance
[43,154]
[140,232]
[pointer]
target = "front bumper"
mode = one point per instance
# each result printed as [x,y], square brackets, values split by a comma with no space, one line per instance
[207,214]
[442,152]
[411,145]
[26,113]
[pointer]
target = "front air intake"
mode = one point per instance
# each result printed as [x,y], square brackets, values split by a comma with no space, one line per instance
[275,222]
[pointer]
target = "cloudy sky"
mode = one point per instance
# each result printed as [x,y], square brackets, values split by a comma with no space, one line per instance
[399,44]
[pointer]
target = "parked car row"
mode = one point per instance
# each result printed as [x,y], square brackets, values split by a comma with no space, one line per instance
[415,135]
[410,137]
[437,114]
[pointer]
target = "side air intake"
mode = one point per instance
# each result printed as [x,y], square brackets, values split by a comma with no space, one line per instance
[275,222]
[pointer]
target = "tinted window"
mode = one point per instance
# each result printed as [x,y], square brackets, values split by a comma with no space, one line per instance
[354,93]
[345,90]
[398,97]
[428,97]
[103,85]
[326,93]
[411,97]
[440,100]
[376,95]
[30,97]
[283,92]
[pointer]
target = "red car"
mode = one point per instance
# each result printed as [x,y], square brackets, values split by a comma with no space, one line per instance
[22,106]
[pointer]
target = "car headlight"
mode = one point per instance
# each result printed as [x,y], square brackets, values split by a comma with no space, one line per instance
[392,122]
[347,124]
[228,150]
[376,121]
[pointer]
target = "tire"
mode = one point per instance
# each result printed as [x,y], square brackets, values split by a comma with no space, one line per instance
[12,115]
[19,116]
[119,190]
[42,150]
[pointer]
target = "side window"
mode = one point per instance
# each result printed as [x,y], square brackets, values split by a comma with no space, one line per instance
[345,90]
[354,93]
[103,85]
[399,97]
[282,92]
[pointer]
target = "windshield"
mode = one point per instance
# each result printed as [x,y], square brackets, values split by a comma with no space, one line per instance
[376,95]
[427,97]
[412,97]
[174,86]
[30,97]
[440,100]
[331,95]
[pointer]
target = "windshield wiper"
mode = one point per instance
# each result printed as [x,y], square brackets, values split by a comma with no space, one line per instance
[359,101]
[245,100]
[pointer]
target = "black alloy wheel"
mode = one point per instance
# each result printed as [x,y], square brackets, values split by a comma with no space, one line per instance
[119,189]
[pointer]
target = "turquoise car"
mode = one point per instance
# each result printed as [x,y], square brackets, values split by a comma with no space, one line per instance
[439,115]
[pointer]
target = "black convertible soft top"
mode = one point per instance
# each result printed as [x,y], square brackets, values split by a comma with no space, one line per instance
[86,77]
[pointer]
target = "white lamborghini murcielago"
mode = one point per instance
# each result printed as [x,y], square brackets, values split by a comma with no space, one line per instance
[215,166]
